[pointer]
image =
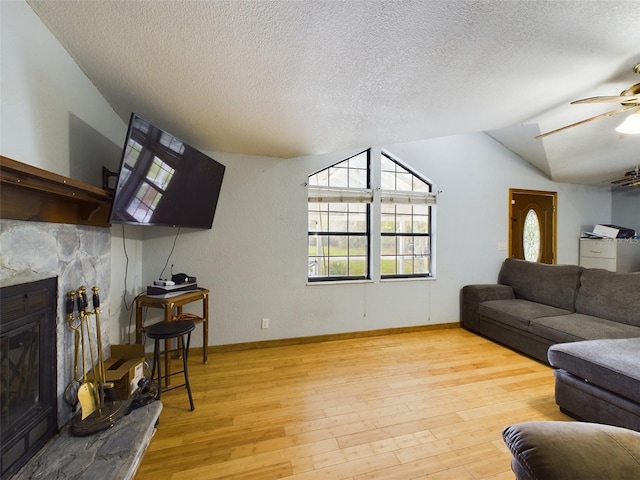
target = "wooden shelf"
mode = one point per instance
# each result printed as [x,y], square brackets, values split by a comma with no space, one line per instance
[32,194]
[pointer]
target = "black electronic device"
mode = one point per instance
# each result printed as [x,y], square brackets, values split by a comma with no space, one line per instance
[623,232]
[164,181]
[170,289]
[180,278]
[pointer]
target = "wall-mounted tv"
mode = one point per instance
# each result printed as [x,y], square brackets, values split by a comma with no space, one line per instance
[163,181]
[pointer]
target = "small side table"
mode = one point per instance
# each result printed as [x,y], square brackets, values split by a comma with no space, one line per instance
[172,305]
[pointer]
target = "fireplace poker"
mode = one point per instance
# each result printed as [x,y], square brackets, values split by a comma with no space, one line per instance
[95,386]
[102,377]
[86,395]
[71,391]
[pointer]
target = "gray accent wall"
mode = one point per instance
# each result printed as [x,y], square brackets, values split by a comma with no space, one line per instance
[626,208]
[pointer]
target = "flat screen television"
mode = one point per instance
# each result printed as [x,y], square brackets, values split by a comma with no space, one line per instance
[163,181]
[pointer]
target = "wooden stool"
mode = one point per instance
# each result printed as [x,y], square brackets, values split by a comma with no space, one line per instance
[167,331]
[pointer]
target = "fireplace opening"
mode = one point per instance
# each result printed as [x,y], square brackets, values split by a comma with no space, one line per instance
[28,390]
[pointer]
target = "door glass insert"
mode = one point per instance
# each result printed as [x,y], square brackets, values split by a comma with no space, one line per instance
[531,237]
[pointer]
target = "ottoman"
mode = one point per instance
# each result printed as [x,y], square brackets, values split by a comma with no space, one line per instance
[599,380]
[572,451]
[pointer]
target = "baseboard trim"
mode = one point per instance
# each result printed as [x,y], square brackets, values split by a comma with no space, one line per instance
[235,347]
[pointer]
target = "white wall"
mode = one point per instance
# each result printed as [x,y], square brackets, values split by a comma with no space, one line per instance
[254,260]
[126,281]
[54,118]
[47,100]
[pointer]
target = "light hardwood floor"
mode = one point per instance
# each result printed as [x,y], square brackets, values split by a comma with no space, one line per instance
[428,405]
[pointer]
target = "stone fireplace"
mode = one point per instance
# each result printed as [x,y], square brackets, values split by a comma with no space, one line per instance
[54,227]
[28,378]
[71,255]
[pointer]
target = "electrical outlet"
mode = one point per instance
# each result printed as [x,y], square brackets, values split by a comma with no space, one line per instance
[265,323]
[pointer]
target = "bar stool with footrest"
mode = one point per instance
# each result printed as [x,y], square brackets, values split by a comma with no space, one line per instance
[196,319]
[167,331]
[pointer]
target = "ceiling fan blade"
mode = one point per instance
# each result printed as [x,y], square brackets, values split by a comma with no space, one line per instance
[629,176]
[616,99]
[602,115]
[630,181]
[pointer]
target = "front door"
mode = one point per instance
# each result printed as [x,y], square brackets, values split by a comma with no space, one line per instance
[532,229]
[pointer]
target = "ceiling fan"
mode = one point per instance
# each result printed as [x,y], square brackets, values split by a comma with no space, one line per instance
[628,179]
[629,99]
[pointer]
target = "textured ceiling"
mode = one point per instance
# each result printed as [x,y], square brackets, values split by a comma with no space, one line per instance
[288,78]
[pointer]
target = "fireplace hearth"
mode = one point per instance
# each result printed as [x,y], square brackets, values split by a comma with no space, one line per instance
[28,386]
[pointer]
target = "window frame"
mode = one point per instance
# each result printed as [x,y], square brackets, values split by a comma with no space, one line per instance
[376,196]
[341,196]
[411,198]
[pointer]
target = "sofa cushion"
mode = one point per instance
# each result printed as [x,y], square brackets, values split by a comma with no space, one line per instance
[610,295]
[517,313]
[592,403]
[611,364]
[576,327]
[553,285]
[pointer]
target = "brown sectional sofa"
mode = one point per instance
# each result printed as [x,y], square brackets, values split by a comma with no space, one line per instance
[584,322]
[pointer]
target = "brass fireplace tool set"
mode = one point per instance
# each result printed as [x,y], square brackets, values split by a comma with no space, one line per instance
[96,412]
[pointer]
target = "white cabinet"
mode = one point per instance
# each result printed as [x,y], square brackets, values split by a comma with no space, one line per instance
[616,255]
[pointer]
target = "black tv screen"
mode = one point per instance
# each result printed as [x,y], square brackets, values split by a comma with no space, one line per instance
[163,181]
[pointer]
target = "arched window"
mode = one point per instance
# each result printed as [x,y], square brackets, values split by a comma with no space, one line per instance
[405,221]
[340,201]
[339,228]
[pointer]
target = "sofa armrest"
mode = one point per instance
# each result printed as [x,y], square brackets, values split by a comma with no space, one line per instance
[471,296]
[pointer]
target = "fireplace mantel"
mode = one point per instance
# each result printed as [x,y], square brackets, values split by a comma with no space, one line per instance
[32,194]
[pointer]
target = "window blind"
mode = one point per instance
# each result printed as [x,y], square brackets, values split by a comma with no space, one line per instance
[339,195]
[394,196]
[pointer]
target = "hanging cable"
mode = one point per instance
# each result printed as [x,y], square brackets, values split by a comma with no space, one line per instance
[126,269]
[170,253]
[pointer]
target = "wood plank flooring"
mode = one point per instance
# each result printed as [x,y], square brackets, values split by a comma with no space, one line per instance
[427,405]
